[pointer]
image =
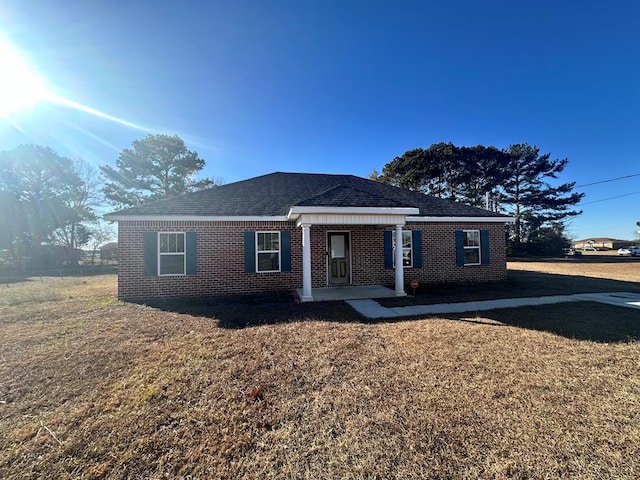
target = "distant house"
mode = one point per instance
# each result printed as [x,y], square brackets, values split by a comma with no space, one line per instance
[285,231]
[604,243]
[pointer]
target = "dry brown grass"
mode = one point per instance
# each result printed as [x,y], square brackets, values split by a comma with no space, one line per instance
[94,388]
[626,269]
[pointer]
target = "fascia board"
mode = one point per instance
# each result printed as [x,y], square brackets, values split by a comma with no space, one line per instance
[462,219]
[194,218]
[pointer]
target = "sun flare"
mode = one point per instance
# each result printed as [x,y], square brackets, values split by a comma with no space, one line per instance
[20,85]
[22,88]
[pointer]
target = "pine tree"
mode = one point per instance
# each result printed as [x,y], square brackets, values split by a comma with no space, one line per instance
[156,167]
[527,194]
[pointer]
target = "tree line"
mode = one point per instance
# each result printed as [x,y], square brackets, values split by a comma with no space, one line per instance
[50,203]
[518,181]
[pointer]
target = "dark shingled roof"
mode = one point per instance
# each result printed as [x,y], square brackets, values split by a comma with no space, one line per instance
[275,193]
[343,196]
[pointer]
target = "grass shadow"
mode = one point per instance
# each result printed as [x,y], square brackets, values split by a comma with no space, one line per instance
[580,320]
[243,311]
[519,283]
[590,321]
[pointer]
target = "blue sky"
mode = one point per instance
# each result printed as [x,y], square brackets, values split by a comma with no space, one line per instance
[343,86]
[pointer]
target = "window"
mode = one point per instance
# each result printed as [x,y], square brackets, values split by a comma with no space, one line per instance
[171,253]
[407,249]
[268,251]
[471,244]
[472,247]
[411,249]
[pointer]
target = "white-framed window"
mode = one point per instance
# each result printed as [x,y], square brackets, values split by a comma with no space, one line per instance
[171,253]
[407,248]
[471,245]
[268,251]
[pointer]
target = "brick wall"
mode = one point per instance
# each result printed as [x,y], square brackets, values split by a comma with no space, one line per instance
[439,254]
[220,263]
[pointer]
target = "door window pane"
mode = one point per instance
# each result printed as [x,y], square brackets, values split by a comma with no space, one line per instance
[338,249]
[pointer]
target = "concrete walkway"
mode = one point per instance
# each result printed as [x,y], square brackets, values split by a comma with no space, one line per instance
[372,309]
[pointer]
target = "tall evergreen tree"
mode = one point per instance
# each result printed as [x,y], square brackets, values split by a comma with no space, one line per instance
[482,171]
[529,197]
[444,170]
[434,171]
[156,167]
[408,171]
[517,180]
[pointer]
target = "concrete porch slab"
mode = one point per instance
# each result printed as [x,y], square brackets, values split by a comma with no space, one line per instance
[349,293]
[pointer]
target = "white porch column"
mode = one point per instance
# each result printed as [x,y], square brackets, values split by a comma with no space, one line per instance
[306,263]
[399,269]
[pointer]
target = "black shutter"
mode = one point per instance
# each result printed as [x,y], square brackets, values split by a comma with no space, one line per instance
[249,252]
[416,241]
[484,247]
[192,253]
[285,250]
[459,248]
[151,254]
[388,249]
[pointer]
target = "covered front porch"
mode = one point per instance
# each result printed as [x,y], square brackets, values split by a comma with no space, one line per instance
[308,216]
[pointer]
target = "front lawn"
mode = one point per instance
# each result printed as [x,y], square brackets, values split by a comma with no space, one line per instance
[94,388]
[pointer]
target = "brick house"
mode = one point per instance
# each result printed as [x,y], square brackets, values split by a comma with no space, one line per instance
[285,231]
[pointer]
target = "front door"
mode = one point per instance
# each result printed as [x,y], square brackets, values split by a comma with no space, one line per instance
[339,258]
